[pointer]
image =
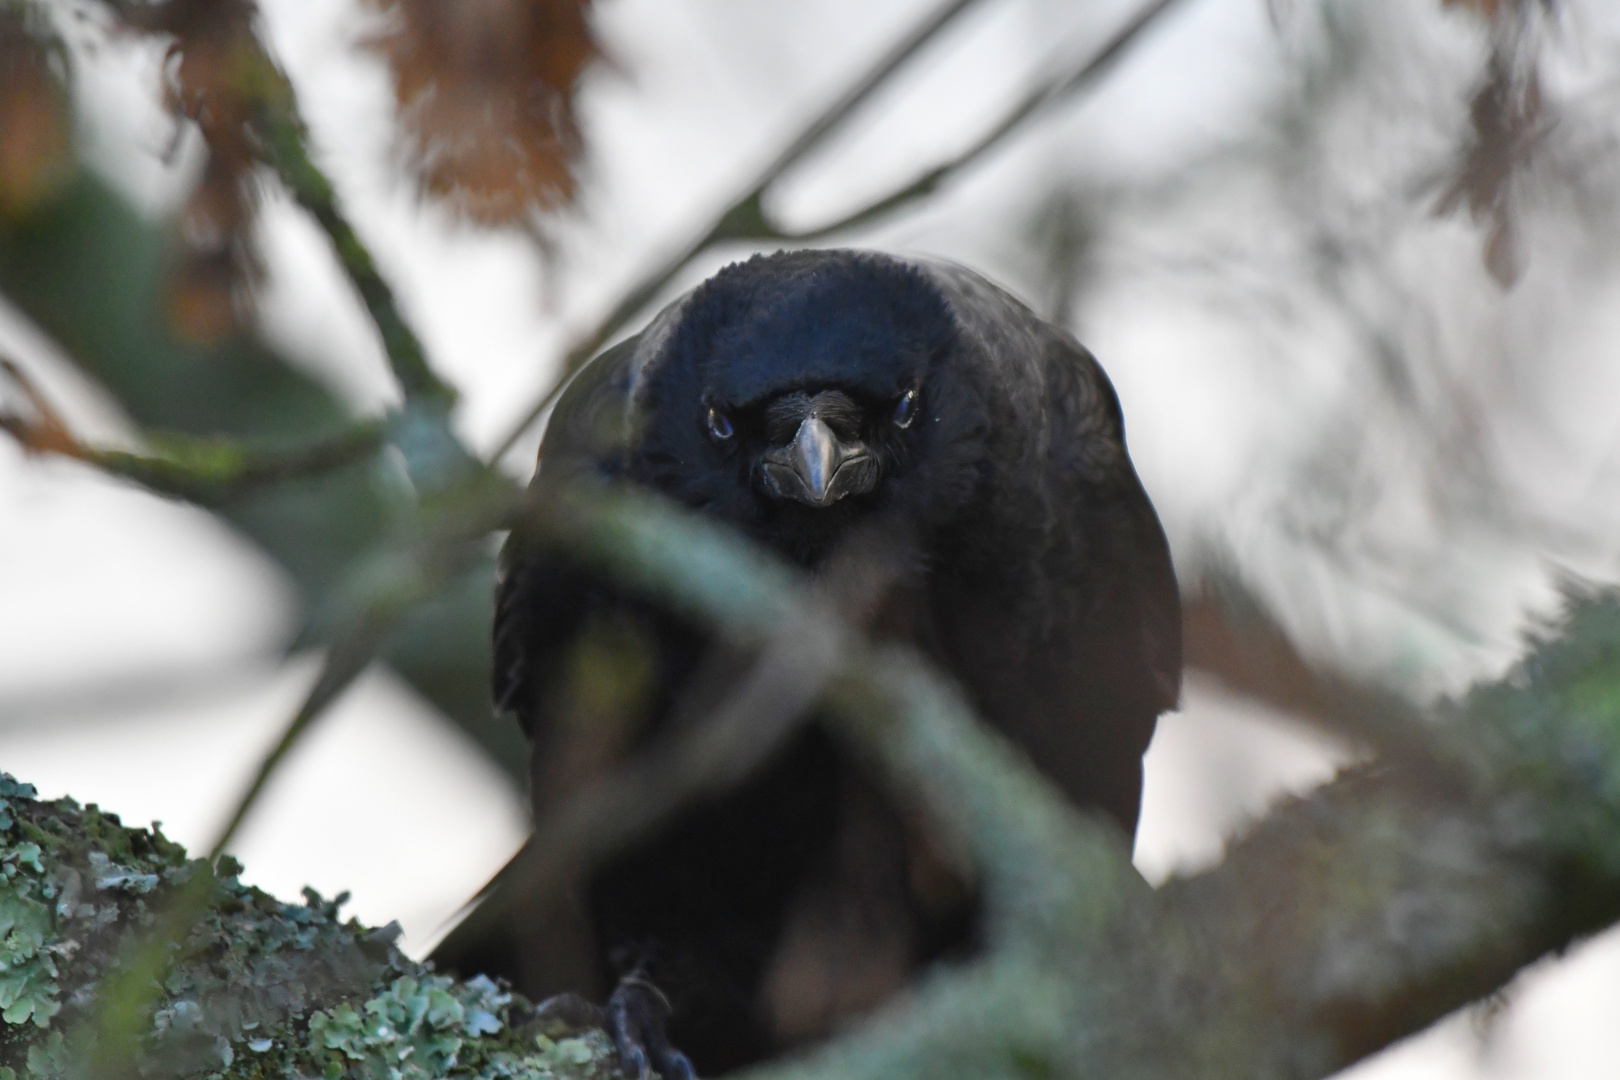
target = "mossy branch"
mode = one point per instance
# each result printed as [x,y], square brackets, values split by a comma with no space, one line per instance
[248,987]
[200,470]
[285,143]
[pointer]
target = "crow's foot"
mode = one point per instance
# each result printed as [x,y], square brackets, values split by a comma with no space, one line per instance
[636,1014]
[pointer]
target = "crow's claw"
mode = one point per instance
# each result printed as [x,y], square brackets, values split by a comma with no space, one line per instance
[636,1014]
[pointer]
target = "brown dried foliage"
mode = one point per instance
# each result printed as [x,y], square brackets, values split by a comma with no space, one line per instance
[34,122]
[213,62]
[1492,8]
[485,91]
[1508,119]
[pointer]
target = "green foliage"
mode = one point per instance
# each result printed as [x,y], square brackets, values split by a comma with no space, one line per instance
[253,988]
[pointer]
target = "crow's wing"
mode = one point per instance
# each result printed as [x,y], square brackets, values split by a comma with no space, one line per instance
[539,601]
[1071,643]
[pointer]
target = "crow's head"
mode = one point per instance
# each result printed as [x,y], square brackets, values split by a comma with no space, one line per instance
[797,392]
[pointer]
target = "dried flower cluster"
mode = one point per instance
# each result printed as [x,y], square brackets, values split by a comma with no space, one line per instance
[485,92]
[34,121]
[212,67]
[1508,118]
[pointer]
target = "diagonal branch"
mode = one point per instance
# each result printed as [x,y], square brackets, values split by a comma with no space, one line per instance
[285,142]
[1047,868]
[346,658]
[1040,99]
[1347,920]
[203,471]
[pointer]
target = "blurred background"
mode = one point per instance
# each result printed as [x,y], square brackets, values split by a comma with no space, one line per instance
[1353,265]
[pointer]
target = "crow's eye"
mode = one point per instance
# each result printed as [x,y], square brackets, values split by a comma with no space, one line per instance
[720,425]
[905,410]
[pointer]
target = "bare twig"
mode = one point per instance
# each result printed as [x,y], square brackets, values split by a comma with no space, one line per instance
[1041,98]
[346,658]
[465,518]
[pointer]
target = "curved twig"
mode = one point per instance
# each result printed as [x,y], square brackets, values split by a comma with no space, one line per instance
[1039,99]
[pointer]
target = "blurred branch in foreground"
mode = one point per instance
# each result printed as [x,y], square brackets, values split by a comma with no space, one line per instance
[1343,922]
[203,471]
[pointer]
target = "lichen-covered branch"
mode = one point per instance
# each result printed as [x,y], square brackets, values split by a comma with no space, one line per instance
[254,988]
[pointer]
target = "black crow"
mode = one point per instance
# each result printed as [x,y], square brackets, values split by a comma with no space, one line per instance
[801,398]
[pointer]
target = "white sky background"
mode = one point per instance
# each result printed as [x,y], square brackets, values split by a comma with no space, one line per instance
[1257,418]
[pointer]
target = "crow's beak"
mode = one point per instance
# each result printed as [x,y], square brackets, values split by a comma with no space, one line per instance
[817,468]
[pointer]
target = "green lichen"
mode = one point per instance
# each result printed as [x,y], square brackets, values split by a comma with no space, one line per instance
[253,987]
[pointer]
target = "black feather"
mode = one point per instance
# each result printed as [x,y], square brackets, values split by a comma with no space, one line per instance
[1039,578]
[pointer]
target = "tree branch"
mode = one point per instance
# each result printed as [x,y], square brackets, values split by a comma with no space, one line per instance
[284,139]
[746,218]
[1042,97]
[126,959]
[203,471]
[1345,921]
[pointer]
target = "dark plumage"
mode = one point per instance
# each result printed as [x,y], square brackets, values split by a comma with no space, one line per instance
[798,397]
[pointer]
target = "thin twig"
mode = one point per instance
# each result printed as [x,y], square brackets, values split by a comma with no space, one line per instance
[1041,98]
[482,504]
[741,219]
[285,141]
[345,660]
